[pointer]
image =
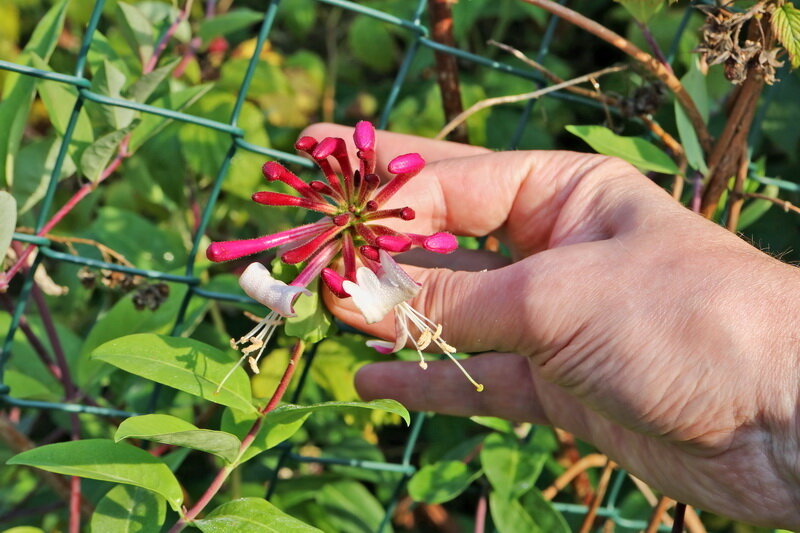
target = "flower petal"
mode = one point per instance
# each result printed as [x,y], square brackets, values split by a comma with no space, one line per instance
[259,285]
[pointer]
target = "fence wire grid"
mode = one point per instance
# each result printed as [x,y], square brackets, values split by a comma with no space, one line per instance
[418,31]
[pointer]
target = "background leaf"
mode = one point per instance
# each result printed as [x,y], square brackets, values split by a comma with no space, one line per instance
[254,515]
[511,467]
[441,482]
[105,461]
[98,155]
[786,24]
[184,364]
[634,150]
[8,222]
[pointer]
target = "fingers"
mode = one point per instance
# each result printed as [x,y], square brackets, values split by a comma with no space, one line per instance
[526,307]
[508,393]
[460,259]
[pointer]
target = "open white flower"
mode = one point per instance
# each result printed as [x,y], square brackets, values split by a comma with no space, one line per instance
[258,284]
[376,295]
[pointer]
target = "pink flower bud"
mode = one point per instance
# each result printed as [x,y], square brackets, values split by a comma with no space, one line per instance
[370,252]
[441,243]
[335,282]
[305,144]
[406,164]
[364,136]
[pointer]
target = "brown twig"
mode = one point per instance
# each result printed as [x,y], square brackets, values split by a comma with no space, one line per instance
[680,513]
[600,493]
[593,460]
[658,514]
[514,98]
[648,61]
[785,204]
[727,153]
[447,66]
[736,196]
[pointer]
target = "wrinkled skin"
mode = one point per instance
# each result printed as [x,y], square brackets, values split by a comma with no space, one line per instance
[661,338]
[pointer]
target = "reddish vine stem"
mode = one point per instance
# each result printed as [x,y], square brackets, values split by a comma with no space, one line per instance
[447,66]
[222,475]
[653,44]
[480,514]
[33,339]
[648,61]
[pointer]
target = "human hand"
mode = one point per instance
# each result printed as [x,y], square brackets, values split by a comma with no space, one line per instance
[642,328]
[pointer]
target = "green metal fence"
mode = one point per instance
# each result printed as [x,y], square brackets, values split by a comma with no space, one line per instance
[419,38]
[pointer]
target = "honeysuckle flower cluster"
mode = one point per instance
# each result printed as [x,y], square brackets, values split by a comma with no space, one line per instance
[352,204]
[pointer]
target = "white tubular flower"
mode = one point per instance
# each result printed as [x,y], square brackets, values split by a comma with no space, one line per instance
[376,296]
[259,285]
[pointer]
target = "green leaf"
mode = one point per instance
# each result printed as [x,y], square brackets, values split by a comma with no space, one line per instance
[441,482]
[786,25]
[248,515]
[8,222]
[642,10]
[18,89]
[109,81]
[184,364]
[371,43]
[128,509]
[511,468]
[33,169]
[509,516]
[350,507]
[104,460]
[634,150]
[286,420]
[695,83]
[137,30]
[59,100]
[98,155]
[544,514]
[176,101]
[491,422]
[141,90]
[311,322]
[172,430]
[230,22]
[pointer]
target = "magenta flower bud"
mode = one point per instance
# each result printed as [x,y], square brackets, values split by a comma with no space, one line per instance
[306,250]
[394,243]
[327,146]
[370,252]
[273,170]
[441,243]
[364,136]
[335,282]
[322,188]
[305,144]
[406,164]
[276,198]
[371,205]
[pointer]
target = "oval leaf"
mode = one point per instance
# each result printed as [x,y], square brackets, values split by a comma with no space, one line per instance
[184,364]
[8,221]
[127,509]
[512,468]
[634,150]
[251,515]
[441,482]
[171,430]
[286,420]
[106,461]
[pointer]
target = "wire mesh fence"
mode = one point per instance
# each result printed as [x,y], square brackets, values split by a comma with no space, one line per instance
[419,38]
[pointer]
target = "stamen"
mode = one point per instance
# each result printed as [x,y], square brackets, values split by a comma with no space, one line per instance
[253,365]
[259,337]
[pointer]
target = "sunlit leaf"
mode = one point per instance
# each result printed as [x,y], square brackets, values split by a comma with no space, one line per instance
[634,150]
[251,515]
[106,461]
[128,509]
